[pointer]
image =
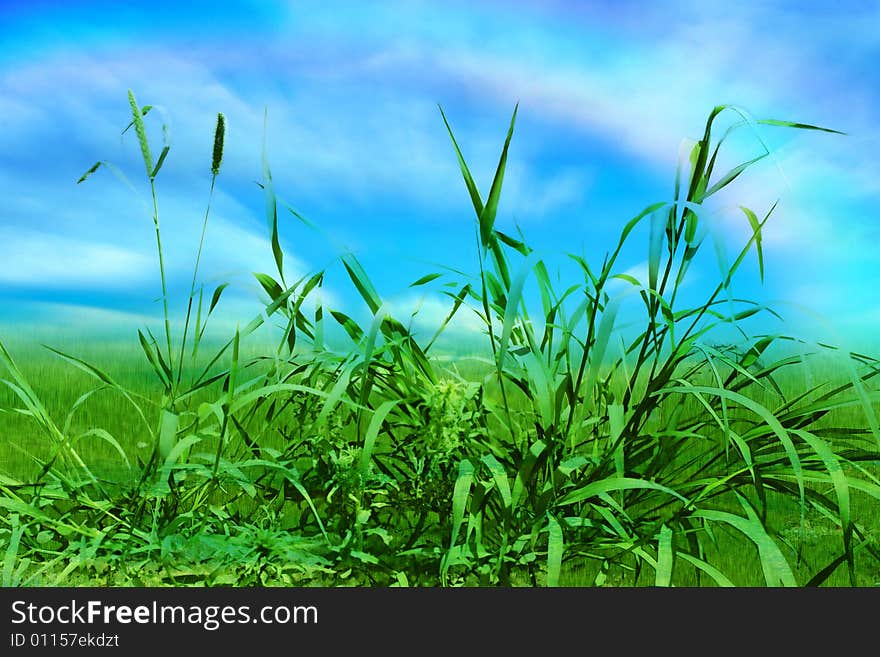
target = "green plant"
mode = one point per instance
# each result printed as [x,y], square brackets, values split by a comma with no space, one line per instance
[605,460]
[573,451]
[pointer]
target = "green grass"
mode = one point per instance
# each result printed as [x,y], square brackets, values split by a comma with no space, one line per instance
[59,385]
[570,452]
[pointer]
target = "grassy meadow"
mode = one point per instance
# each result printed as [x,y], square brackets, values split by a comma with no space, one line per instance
[565,452]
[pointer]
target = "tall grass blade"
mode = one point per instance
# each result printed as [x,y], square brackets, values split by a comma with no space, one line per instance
[841,489]
[756,229]
[720,578]
[168,424]
[499,476]
[777,571]
[489,211]
[271,204]
[612,484]
[800,126]
[465,172]
[110,440]
[664,558]
[11,556]
[362,282]
[555,549]
[372,434]
[514,299]
[460,494]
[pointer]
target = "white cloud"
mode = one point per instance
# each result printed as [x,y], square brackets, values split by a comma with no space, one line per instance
[352,138]
[74,317]
[623,106]
[369,126]
[529,195]
[35,259]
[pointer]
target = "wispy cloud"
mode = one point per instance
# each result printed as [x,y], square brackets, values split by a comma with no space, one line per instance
[50,261]
[354,136]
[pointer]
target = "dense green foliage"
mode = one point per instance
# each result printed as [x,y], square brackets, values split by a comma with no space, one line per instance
[572,452]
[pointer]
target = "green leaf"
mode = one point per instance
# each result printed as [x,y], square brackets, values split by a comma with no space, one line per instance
[11,556]
[487,215]
[150,351]
[351,327]
[613,484]
[161,160]
[776,569]
[376,421]
[655,247]
[110,440]
[168,423]
[460,494]
[215,298]
[513,302]
[425,279]
[514,243]
[99,374]
[499,475]
[841,489]
[729,177]
[800,126]
[465,172]
[272,287]
[555,548]
[362,282]
[88,173]
[523,477]
[179,449]
[84,366]
[720,578]
[271,204]
[756,230]
[664,557]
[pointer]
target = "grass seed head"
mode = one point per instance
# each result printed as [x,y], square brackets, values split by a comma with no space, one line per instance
[219,133]
[138,120]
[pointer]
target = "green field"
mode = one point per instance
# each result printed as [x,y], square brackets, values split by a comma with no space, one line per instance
[59,385]
[566,451]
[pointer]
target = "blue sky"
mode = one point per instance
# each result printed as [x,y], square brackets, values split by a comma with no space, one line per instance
[607,93]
